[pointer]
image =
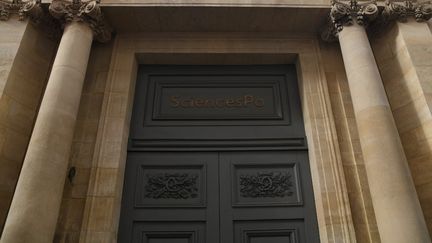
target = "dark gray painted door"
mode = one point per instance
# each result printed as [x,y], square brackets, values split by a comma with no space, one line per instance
[266,197]
[217,155]
[170,198]
[210,197]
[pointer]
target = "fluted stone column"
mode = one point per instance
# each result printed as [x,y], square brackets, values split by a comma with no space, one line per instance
[36,203]
[397,209]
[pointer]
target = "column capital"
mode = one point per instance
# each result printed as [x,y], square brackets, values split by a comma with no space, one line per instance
[345,13]
[26,8]
[402,9]
[87,11]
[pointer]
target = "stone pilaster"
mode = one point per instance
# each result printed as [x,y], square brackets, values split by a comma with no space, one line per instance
[397,209]
[404,55]
[35,206]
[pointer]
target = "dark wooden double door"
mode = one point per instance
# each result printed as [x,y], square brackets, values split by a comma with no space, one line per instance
[217,154]
[218,197]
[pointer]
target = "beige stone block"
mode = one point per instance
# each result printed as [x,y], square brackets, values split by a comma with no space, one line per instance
[421,168]
[414,32]
[421,55]
[70,219]
[358,155]
[110,154]
[4,110]
[397,42]
[114,128]
[15,147]
[66,237]
[425,194]
[90,106]
[117,105]
[97,84]
[424,74]
[6,198]
[104,184]
[358,182]
[32,72]
[101,213]
[121,81]
[9,174]
[390,71]
[372,93]
[412,145]
[82,154]
[423,132]
[99,237]
[412,115]
[12,30]
[24,92]
[403,60]
[20,117]
[332,84]
[315,100]
[400,92]
[101,55]
[7,55]
[79,186]
[383,51]
[86,130]
[3,137]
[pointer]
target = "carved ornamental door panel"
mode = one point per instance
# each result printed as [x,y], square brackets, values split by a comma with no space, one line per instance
[211,197]
[170,198]
[266,197]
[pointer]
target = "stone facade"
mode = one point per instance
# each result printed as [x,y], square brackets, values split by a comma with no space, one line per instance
[340,114]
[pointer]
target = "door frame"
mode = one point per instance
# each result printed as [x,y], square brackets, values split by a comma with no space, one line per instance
[331,197]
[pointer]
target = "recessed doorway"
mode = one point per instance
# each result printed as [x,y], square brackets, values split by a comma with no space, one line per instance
[217,154]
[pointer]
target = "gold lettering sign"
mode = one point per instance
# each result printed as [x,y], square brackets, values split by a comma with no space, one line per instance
[178,101]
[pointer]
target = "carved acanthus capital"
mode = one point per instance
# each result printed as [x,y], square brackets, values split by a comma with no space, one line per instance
[27,8]
[344,13]
[82,11]
[401,10]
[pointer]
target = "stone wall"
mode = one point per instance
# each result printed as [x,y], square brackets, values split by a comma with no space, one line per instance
[26,54]
[349,144]
[404,57]
[83,146]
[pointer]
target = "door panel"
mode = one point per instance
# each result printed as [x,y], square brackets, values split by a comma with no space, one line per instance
[202,197]
[170,197]
[266,197]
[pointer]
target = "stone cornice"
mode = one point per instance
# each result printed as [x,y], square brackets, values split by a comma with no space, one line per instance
[402,9]
[82,11]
